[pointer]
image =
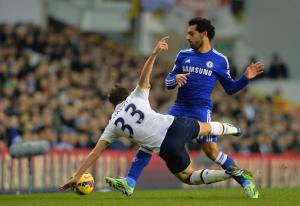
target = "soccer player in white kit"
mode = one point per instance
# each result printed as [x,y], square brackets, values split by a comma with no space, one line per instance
[163,134]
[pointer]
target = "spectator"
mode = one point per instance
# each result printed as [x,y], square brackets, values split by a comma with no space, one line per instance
[277,69]
[54,86]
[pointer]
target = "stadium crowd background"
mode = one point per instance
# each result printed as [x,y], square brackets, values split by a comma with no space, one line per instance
[54,84]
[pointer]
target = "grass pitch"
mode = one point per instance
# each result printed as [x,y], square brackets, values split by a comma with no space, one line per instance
[203,197]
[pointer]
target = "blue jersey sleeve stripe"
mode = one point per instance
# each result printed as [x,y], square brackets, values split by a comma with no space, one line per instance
[171,83]
[170,80]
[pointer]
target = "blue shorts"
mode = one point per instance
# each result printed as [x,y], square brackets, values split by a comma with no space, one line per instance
[201,114]
[172,149]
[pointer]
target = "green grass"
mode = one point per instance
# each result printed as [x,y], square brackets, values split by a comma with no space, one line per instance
[202,197]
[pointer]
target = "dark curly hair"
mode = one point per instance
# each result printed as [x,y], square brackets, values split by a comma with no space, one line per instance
[118,94]
[203,25]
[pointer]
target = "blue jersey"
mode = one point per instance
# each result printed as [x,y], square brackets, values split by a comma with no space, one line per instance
[205,69]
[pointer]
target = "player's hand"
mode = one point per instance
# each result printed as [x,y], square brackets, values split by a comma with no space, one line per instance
[181,79]
[254,70]
[162,45]
[70,184]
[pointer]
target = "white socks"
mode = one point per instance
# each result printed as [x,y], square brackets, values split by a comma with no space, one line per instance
[218,128]
[195,178]
[208,176]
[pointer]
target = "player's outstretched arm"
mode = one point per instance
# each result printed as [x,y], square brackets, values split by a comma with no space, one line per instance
[232,86]
[91,158]
[144,80]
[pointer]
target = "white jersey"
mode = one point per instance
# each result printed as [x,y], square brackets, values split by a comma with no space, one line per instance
[135,119]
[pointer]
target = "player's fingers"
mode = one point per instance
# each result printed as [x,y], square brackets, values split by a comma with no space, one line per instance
[182,78]
[184,81]
[259,73]
[181,82]
[259,69]
[260,65]
[64,187]
[164,39]
[253,67]
[164,47]
[162,44]
[70,184]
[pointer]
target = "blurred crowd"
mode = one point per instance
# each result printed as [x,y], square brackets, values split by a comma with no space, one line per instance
[54,85]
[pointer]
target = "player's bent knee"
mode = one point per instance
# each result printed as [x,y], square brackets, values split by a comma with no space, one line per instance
[205,129]
[183,177]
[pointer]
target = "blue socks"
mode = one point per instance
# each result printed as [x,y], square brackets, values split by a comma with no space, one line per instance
[140,161]
[130,181]
[226,161]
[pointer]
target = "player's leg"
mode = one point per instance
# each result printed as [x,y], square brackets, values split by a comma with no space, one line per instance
[173,152]
[198,177]
[140,161]
[243,177]
[126,185]
[179,163]
[212,151]
[210,148]
[218,128]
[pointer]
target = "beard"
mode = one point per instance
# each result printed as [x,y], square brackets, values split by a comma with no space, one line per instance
[195,45]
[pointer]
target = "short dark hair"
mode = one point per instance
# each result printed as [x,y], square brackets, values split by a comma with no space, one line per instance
[203,25]
[118,94]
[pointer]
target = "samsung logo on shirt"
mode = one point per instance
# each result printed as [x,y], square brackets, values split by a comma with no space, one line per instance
[197,70]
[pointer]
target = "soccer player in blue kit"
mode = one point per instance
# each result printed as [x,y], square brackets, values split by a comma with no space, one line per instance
[196,72]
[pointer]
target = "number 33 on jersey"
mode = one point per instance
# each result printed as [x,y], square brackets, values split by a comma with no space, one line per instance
[134,118]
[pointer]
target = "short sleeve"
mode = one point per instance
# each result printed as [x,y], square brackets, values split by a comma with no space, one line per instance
[109,135]
[141,92]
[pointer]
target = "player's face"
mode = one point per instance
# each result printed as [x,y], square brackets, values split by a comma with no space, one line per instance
[194,37]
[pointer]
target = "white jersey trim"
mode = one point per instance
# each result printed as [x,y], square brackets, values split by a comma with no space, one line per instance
[105,139]
[222,55]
